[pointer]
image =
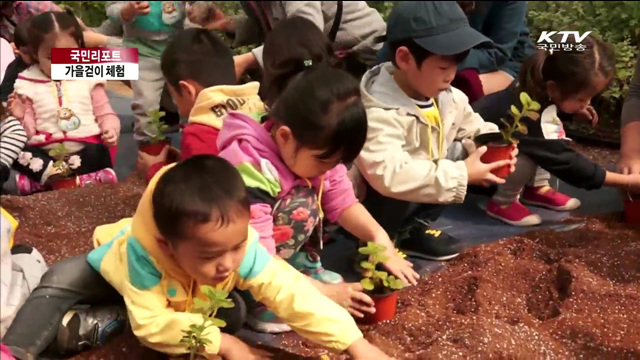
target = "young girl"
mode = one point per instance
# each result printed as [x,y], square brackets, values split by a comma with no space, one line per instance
[293,167]
[561,81]
[75,113]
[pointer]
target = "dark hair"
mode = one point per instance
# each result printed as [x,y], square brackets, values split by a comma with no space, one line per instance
[572,71]
[21,34]
[324,111]
[419,53]
[198,55]
[47,22]
[306,45]
[199,190]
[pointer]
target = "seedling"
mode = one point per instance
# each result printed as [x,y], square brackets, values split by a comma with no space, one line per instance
[156,127]
[529,109]
[375,280]
[193,338]
[64,162]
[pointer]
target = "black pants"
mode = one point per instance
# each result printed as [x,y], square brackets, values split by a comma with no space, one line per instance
[393,214]
[94,157]
[66,284]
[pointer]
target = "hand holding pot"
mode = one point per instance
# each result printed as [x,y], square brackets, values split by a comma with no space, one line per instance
[145,161]
[351,296]
[479,173]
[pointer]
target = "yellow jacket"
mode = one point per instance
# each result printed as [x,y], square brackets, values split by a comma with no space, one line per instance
[159,294]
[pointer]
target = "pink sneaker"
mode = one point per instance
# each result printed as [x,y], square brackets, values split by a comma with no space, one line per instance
[27,186]
[99,177]
[514,214]
[547,197]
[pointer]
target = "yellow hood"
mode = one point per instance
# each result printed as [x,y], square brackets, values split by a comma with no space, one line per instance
[213,103]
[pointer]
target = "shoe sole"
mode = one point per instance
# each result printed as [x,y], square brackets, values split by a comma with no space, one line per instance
[570,206]
[427,257]
[520,223]
[259,326]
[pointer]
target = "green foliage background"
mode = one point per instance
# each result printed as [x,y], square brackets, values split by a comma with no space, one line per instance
[617,22]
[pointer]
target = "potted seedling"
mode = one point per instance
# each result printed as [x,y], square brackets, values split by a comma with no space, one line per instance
[382,287]
[193,338]
[501,145]
[65,163]
[155,129]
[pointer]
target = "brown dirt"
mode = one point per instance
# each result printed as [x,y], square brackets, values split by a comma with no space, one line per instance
[601,155]
[543,295]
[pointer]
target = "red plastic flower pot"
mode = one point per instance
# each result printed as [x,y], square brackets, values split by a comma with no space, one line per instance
[65,183]
[154,149]
[385,308]
[632,211]
[498,152]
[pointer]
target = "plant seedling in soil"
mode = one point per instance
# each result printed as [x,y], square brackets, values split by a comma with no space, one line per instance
[156,127]
[193,338]
[501,149]
[374,280]
[65,162]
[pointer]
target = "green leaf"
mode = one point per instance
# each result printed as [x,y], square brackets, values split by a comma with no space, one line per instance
[525,99]
[534,106]
[385,282]
[226,304]
[533,115]
[193,327]
[207,290]
[381,274]
[200,304]
[515,110]
[367,265]
[220,294]
[367,284]
[365,251]
[396,284]
[218,323]
[205,341]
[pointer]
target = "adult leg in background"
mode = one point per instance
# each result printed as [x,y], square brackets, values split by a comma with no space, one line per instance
[147,93]
[48,318]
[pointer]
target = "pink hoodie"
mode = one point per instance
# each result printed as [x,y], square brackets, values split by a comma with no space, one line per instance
[249,147]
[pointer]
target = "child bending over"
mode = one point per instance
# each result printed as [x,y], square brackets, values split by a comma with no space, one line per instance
[561,81]
[199,70]
[75,113]
[292,165]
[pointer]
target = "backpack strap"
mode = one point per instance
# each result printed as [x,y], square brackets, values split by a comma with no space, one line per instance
[333,33]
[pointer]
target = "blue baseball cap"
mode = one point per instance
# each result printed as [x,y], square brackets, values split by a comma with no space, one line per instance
[440,27]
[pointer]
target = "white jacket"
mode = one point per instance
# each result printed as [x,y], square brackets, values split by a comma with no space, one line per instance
[396,160]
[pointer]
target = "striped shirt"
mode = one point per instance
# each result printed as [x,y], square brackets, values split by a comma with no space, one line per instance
[12,140]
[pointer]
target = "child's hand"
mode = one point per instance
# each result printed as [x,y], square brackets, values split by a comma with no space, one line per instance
[145,161]
[514,159]
[479,173]
[362,349]
[207,16]
[133,9]
[232,348]
[400,267]
[17,105]
[350,296]
[587,114]
[110,137]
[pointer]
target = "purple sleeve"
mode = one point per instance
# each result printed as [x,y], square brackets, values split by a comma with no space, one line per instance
[262,222]
[337,193]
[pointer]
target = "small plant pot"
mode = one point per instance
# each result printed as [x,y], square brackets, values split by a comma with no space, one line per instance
[632,210]
[385,305]
[65,183]
[497,150]
[154,149]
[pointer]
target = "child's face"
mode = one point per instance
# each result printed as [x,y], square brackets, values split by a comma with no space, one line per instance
[61,40]
[429,79]
[575,103]
[212,253]
[185,100]
[303,162]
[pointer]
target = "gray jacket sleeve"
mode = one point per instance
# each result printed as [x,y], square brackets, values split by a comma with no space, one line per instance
[631,108]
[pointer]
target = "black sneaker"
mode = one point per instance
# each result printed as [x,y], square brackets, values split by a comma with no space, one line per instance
[422,241]
[84,329]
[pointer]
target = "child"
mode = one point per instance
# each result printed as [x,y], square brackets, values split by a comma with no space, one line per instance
[148,26]
[418,156]
[191,228]
[12,140]
[199,71]
[74,113]
[292,167]
[22,268]
[19,64]
[560,81]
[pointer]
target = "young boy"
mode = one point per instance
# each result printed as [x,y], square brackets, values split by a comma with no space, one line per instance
[19,64]
[420,128]
[200,74]
[191,228]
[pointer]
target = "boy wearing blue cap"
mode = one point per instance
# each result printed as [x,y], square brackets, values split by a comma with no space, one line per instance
[419,154]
